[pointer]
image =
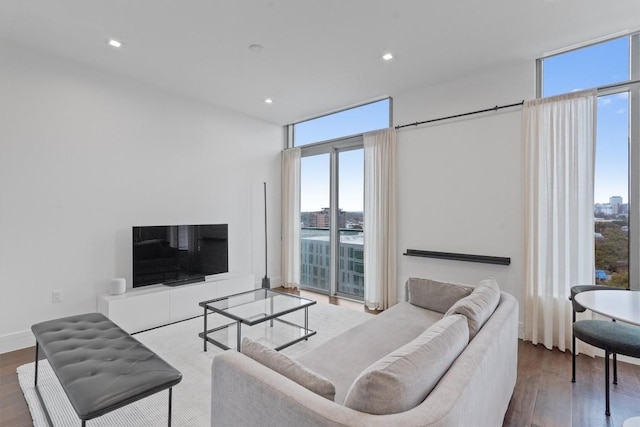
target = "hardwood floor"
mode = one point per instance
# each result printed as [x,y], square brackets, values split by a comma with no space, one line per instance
[543,397]
[13,408]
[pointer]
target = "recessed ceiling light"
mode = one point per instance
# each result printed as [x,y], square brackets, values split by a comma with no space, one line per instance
[114,43]
[268,101]
[387,56]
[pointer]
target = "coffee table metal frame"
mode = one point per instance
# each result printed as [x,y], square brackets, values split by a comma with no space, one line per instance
[255,318]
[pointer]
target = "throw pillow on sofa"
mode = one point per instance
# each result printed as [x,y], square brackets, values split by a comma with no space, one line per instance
[434,295]
[404,378]
[478,306]
[289,368]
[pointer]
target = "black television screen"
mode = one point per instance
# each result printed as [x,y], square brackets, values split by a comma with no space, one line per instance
[178,254]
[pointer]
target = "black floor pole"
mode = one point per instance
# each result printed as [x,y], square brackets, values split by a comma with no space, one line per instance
[266,282]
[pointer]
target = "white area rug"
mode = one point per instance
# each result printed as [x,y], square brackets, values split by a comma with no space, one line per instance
[179,345]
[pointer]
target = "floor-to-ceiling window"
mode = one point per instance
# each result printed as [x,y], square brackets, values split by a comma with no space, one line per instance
[315,239]
[332,197]
[350,222]
[613,67]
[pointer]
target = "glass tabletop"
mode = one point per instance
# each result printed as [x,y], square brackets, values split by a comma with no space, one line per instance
[256,306]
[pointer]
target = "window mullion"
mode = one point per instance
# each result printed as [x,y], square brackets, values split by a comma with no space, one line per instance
[634,57]
[634,164]
[634,188]
[334,238]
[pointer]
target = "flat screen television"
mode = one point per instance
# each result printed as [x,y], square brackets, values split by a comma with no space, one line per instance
[178,254]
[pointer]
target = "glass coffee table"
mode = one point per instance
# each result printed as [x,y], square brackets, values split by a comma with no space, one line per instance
[252,308]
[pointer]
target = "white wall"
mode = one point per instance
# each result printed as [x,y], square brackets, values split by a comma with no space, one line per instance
[460,181]
[84,156]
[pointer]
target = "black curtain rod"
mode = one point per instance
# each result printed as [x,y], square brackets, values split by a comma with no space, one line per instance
[517,104]
[496,108]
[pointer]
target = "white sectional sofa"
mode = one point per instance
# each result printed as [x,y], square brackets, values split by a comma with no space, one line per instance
[446,357]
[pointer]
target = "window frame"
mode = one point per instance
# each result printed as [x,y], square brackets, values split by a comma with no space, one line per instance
[290,129]
[334,147]
[632,87]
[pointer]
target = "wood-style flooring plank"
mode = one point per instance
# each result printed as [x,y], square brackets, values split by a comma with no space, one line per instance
[13,408]
[628,380]
[522,404]
[558,402]
[587,404]
[553,401]
[622,407]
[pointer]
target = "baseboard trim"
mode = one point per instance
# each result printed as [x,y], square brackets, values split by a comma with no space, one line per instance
[16,341]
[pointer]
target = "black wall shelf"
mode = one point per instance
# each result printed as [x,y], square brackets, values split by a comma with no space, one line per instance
[459,257]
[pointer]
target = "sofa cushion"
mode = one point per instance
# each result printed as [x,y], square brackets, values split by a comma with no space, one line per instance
[478,306]
[403,379]
[435,295]
[366,343]
[288,368]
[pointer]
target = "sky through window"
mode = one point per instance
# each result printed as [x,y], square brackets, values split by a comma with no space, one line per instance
[589,67]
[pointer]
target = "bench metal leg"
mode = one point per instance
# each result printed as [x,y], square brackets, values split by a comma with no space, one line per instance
[170,395]
[35,384]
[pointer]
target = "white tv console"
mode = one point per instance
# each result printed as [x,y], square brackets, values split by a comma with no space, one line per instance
[152,306]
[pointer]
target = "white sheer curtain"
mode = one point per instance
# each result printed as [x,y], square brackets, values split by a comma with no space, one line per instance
[380,219]
[559,143]
[291,217]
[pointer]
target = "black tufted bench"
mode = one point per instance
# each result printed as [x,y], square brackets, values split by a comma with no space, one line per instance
[100,367]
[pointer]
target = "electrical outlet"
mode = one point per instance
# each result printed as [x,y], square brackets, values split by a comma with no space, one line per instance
[57,296]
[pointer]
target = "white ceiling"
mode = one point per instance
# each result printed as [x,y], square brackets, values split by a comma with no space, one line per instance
[319,56]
